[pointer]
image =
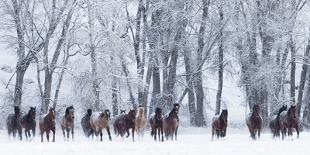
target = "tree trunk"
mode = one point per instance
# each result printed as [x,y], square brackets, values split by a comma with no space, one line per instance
[303,78]
[221,65]
[293,69]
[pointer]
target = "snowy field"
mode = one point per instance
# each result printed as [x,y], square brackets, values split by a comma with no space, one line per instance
[191,141]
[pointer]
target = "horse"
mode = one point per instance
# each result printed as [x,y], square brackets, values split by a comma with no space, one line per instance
[219,124]
[289,120]
[99,121]
[140,122]
[124,122]
[85,123]
[274,124]
[67,122]
[13,123]
[156,123]
[254,122]
[171,124]
[28,122]
[47,124]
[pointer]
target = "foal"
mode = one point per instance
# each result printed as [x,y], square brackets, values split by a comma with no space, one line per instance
[47,124]
[13,123]
[156,123]
[67,122]
[85,122]
[28,122]
[288,120]
[140,122]
[219,124]
[171,124]
[254,122]
[99,121]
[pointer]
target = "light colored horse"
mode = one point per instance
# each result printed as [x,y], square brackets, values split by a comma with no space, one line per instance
[140,122]
[99,121]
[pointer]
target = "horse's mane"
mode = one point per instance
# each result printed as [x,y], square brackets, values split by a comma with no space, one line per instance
[283,108]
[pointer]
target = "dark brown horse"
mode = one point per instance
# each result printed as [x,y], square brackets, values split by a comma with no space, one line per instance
[157,124]
[99,121]
[28,122]
[288,121]
[13,123]
[85,122]
[124,122]
[47,124]
[219,124]
[171,124]
[254,122]
[274,123]
[67,122]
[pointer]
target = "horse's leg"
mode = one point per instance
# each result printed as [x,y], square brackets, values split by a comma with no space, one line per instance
[48,136]
[68,133]
[258,133]
[100,132]
[155,133]
[63,132]
[224,134]
[133,133]
[212,133]
[128,134]
[297,131]
[109,133]
[41,133]
[26,134]
[14,133]
[176,134]
[217,134]
[162,133]
[20,133]
[72,133]
[53,130]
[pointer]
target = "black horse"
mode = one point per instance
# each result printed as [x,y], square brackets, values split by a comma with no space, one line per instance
[274,123]
[28,122]
[85,122]
[13,123]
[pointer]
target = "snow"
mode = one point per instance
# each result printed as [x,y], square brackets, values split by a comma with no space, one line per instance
[191,141]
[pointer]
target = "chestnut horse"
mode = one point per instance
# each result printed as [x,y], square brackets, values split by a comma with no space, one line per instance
[171,124]
[219,124]
[254,122]
[47,124]
[13,123]
[67,122]
[85,123]
[157,122]
[288,121]
[99,121]
[124,122]
[28,122]
[140,123]
[274,123]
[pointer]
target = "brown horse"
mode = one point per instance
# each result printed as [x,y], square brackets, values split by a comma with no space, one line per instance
[67,122]
[124,122]
[274,123]
[85,123]
[13,123]
[254,122]
[219,124]
[99,121]
[140,123]
[157,122]
[28,122]
[288,121]
[47,124]
[171,124]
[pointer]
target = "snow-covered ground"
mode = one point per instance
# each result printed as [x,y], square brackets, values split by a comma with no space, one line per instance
[191,141]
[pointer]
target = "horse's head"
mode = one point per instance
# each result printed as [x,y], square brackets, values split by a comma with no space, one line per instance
[107,114]
[32,112]
[52,113]
[158,113]
[140,111]
[256,109]
[174,113]
[292,112]
[131,114]
[70,112]
[177,106]
[224,115]
[89,112]
[16,110]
